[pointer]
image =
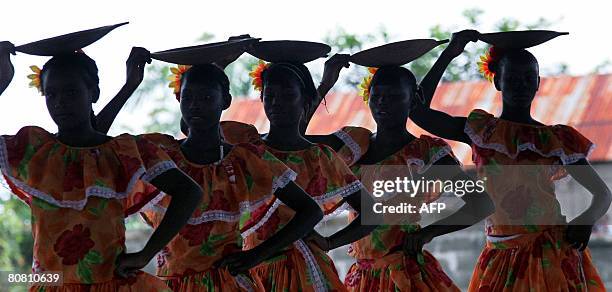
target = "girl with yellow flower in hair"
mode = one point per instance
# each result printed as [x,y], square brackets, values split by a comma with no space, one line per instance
[81,184]
[288,94]
[530,244]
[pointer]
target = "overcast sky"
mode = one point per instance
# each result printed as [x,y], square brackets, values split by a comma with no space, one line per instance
[158,25]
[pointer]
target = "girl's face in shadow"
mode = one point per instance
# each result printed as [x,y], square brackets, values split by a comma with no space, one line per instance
[518,82]
[390,104]
[68,98]
[202,104]
[283,100]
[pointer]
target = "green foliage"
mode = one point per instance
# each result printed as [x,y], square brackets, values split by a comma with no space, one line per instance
[15,230]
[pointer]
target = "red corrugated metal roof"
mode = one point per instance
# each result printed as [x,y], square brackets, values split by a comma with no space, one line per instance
[584,102]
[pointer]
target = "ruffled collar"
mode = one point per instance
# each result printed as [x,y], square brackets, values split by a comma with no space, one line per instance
[511,138]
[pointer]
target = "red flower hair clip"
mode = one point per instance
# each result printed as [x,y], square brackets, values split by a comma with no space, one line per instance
[484,65]
[256,72]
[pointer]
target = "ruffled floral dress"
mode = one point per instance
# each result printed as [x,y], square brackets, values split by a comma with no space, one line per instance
[79,198]
[525,249]
[327,179]
[235,188]
[381,264]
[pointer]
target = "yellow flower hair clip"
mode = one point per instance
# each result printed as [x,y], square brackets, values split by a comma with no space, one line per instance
[175,79]
[256,74]
[35,78]
[364,87]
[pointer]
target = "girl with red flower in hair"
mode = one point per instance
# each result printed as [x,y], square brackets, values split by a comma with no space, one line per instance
[289,95]
[392,258]
[530,244]
[241,183]
[81,184]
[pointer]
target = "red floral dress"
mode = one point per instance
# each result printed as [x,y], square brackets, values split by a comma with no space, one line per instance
[327,179]
[525,249]
[79,198]
[381,263]
[235,189]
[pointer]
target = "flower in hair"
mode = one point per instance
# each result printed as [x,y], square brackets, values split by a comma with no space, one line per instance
[256,73]
[484,65]
[35,78]
[175,79]
[364,87]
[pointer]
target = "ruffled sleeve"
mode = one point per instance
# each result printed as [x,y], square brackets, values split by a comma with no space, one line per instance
[575,145]
[356,142]
[263,175]
[263,172]
[16,153]
[427,151]
[152,160]
[332,181]
[236,132]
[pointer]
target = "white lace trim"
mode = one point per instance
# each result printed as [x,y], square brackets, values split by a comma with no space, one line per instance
[340,192]
[313,267]
[559,152]
[230,216]
[263,220]
[350,143]
[345,207]
[422,167]
[244,282]
[91,191]
[158,169]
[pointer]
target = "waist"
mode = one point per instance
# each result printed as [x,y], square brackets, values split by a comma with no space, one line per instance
[552,234]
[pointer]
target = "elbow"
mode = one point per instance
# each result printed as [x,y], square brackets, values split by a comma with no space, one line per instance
[196,193]
[191,193]
[316,213]
[309,213]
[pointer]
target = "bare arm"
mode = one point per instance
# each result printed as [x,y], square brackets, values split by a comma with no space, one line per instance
[7,71]
[230,59]
[354,230]
[185,197]
[135,74]
[329,140]
[478,205]
[579,229]
[307,214]
[440,124]
[331,73]
[458,42]
[433,121]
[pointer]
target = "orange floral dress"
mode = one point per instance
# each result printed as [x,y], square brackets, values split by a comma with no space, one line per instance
[381,263]
[235,188]
[525,249]
[79,198]
[325,177]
